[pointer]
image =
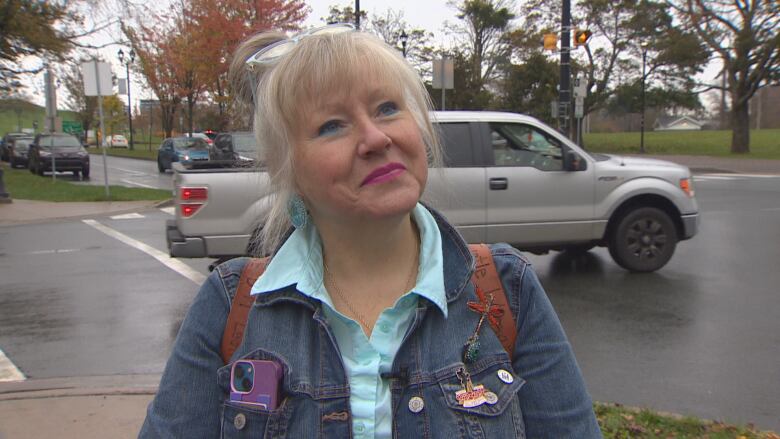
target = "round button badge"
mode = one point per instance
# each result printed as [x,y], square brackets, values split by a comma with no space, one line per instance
[416,404]
[239,421]
[491,398]
[505,376]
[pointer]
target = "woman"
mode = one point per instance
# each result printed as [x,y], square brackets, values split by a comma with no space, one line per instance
[364,305]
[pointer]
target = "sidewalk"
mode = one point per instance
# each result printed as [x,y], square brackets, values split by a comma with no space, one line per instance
[85,407]
[80,407]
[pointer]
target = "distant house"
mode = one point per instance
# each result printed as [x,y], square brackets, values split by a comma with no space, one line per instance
[676,123]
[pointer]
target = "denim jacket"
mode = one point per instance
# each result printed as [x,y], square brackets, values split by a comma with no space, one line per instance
[540,392]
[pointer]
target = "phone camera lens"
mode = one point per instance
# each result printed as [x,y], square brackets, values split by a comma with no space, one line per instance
[246,385]
[239,372]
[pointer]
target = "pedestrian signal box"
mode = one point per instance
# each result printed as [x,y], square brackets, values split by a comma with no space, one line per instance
[581,37]
[551,42]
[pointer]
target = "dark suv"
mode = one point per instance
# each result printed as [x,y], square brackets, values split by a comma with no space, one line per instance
[66,150]
[233,150]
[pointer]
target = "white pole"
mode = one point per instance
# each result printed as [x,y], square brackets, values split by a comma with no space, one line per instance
[102,130]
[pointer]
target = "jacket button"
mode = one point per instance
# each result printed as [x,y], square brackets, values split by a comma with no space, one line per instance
[416,404]
[505,376]
[239,421]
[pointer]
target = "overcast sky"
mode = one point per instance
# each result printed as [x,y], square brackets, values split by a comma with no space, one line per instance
[430,15]
[426,14]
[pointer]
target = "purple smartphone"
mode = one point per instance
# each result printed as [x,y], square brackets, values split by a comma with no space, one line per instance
[256,383]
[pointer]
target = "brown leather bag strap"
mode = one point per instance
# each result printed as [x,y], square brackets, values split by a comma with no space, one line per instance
[239,308]
[487,283]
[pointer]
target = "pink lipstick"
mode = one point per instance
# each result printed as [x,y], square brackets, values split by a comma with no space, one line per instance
[384,173]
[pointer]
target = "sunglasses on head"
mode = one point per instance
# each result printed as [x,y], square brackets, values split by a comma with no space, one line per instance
[273,52]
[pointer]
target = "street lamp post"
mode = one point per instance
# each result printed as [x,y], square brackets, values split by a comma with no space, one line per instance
[130,59]
[642,120]
[404,39]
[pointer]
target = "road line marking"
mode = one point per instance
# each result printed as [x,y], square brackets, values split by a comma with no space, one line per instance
[771,209]
[49,252]
[714,177]
[133,215]
[172,263]
[138,184]
[169,210]
[8,370]
[716,174]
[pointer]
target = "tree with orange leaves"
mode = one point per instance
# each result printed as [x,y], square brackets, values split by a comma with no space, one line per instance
[218,26]
[152,50]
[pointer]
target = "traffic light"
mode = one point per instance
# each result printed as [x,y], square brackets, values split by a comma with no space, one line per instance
[551,42]
[581,37]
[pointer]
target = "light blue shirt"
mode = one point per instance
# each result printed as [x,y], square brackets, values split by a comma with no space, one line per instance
[299,262]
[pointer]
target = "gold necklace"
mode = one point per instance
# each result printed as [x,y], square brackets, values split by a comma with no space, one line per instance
[361,319]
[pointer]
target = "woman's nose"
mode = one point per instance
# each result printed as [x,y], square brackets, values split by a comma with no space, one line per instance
[372,138]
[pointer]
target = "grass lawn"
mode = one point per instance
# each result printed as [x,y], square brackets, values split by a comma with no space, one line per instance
[21,184]
[140,152]
[621,422]
[764,144]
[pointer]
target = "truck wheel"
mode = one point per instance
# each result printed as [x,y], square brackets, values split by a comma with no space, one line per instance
[85,174]
[160,166]
[643,240]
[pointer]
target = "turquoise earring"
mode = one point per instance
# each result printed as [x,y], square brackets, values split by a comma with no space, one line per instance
[296,210]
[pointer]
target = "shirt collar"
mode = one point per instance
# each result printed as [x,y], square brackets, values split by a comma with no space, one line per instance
[298,262]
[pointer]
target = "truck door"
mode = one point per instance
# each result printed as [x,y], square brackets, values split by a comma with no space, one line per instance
[459,189]
[530,198]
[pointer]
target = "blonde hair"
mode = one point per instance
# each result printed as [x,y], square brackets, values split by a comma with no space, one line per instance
[317,66]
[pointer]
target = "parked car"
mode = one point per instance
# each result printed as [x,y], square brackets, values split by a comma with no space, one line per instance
[189,151]
[66,150]
[116,141]
[4,144]
[18,148]
[234,150]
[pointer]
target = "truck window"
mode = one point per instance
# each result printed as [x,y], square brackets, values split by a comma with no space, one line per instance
[516,144]
[456,142]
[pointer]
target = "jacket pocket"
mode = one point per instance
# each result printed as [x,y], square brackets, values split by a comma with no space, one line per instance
[493,409]
[245,421]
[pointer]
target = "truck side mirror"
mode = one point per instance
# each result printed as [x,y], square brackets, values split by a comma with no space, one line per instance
[574,162]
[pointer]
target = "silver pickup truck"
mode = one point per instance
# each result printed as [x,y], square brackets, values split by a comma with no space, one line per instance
[508,178]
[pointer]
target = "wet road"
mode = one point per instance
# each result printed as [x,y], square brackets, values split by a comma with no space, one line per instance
[702,335]
[699,337]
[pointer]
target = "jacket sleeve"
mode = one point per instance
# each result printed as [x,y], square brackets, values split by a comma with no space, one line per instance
[188,400]
[554,400]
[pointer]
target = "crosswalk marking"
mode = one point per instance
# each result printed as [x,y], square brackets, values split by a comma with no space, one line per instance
[172,263]
[169,210]
[133,215]
[8,370]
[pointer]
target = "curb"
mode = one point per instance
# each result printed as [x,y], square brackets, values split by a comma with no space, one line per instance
[79,216]
[108,385]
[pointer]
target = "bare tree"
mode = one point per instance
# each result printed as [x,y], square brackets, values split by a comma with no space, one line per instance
[745,36]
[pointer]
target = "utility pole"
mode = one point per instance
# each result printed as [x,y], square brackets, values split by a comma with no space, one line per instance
[357,14]
[564,91]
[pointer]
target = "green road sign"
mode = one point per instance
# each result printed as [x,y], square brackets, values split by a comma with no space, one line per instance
[72,127]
